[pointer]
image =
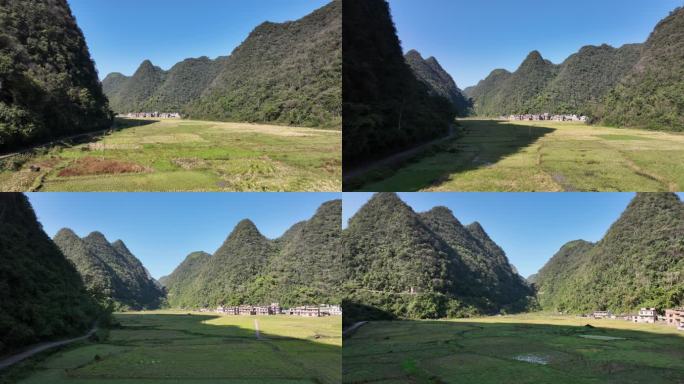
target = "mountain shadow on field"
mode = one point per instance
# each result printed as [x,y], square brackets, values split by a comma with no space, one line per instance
[517,352]
[483,143]
[177,346]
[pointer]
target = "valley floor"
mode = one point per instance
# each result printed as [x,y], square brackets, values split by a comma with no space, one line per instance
[185,155]
[539,156]
[531,348]
[178,347]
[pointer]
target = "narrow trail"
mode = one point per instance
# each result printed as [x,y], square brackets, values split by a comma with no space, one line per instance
[38,348]
[352,329]
[396,158]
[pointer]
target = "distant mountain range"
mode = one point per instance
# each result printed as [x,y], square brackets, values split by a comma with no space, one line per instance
[111,269]
[286,73]
[639,262]
[634,85]
[400,263]
[49,86]
[42,295]
[301,267]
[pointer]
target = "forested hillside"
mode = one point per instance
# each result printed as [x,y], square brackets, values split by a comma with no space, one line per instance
[399,263]
[650,95]
[515,92]
[385,107]
[300,267]
[636,85]
[49,85]
[111,270]
[639,262]
[441,83]
[285,73]
[43,296]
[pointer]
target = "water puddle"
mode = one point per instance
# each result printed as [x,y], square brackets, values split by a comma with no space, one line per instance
[598,337]
[534,359]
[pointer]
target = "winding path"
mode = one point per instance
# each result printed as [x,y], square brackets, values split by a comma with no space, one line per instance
[11,360]
[348,175]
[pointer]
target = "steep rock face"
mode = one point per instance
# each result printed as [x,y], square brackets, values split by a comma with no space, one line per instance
[639,262]
[425,265]
[49,83]
[440,82]
[650,95]
[301,267]
[385,107]
[111,270]
[43,296]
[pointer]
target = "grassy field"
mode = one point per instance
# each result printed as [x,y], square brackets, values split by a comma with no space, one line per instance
[514,349]
[172,347]
[539,156]
[184,155]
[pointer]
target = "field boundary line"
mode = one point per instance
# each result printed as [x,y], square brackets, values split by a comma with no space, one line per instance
[670,185]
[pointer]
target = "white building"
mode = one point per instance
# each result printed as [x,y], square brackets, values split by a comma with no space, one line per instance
[646,315]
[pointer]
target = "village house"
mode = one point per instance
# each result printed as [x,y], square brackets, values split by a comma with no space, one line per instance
[646,315]
[601,315]
[545,117]
[674,317]
[307,311]
[160,115]
[331,310]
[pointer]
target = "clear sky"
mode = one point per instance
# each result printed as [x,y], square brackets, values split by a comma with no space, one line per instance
[471,38]
[530,227]
[123,33]
[162,228]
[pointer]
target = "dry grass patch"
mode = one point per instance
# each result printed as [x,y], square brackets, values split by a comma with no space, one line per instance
[94,166]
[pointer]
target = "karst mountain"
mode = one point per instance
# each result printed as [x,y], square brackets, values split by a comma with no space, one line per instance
[386,108]
[43,296]
[635,85]
[400,263]
[111,270]
[638,263]
[301,267]
[49,85]
[285,73]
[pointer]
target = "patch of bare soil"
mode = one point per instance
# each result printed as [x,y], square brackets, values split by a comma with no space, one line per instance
[94,166]
[190,163]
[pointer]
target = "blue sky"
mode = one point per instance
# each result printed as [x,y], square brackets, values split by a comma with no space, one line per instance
[471,38]
[530,227]
[123,33]
[162,228]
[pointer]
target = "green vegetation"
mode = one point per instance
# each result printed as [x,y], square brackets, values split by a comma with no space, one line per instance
[650,95]
[49,83]
[636,85]
[534,348]
[539,156]
[42,294]
[441,83]
[403,264]
[175,155]
[172,347]
[638,262]
[288,73]
[111,270]
[513,92]
[385,107]
[301,267]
